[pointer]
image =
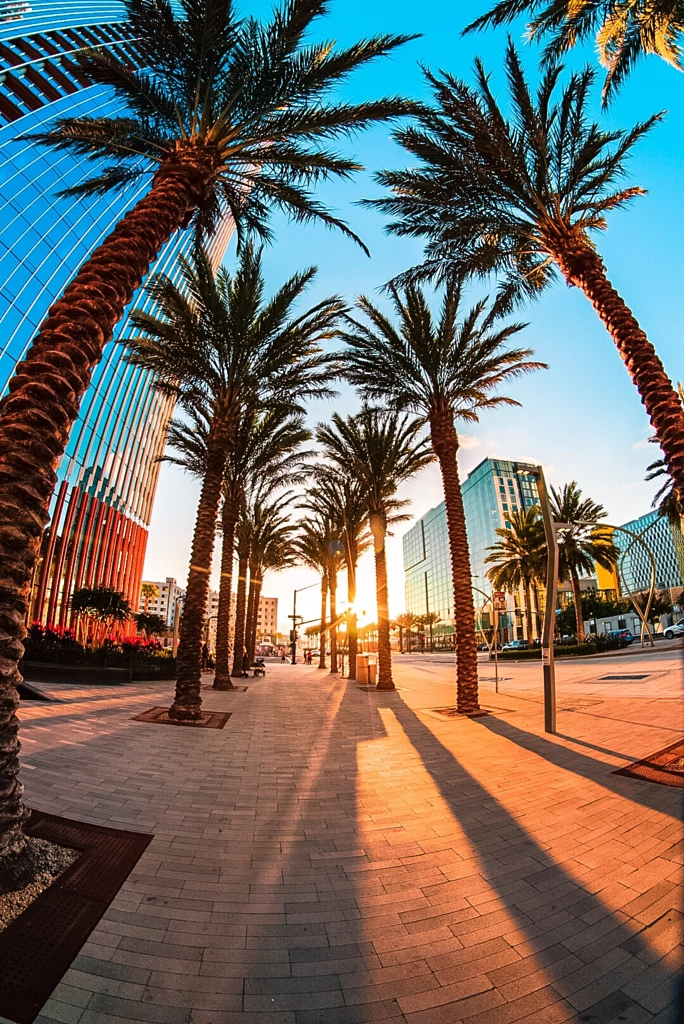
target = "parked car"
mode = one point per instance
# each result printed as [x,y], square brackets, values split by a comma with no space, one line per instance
[621,634]
[676,629]
[516,645]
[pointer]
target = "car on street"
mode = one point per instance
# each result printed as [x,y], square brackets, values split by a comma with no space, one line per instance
[676,629]
[516,645]
[624,635]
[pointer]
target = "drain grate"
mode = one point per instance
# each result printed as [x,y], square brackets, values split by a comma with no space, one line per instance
[452,712]
[665,767]
[208,719]
[38,947]
[627,678]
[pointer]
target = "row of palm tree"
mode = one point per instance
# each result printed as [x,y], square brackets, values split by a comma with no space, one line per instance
[518,560]
[237,118]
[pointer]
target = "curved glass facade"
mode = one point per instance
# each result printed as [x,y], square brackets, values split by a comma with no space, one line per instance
[108,476]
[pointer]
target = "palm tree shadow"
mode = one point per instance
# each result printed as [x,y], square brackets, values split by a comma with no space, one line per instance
[567,926]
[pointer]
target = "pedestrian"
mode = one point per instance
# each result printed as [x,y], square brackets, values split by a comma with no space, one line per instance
[205,657]
[245,663]
[283,659]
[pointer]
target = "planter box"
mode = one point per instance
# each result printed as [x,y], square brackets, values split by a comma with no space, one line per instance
[45,672]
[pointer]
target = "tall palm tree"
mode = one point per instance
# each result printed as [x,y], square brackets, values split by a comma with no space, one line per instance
[235,116]
[316,538]
[271,548]
[624,30]
[521,197]
[266,448]
[216,344]
[666,499]
[334,494]
[519,558]
[243,537]
[582,542]
[381,449]
[405,621]
[447,369]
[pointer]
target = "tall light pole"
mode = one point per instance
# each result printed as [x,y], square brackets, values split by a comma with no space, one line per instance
[550,527]
[294,617]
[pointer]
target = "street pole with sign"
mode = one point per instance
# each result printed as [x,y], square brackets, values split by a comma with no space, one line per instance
[498,605]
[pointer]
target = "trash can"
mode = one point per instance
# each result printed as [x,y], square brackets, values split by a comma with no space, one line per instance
[362,669]
[372,671]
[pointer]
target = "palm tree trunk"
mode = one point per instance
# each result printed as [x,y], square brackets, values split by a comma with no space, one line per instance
[583,267]
[445,444]
[324,607]
[187,702]
[378,529]
[250,615]
[240,603]
[528,610]
[401,639]
[228,521]
[352,627]
[577,597]
[36,417]
[333,623]
[252,631]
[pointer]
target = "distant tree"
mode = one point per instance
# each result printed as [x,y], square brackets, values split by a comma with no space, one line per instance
[148,591]
[381,449]
[519,558]
[103,605]
[583,544]
[150,624]
[405,621]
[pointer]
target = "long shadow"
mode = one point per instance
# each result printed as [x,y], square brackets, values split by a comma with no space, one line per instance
[647,794]
[545,902]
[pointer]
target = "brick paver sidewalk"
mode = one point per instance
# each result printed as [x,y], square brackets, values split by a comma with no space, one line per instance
[336,856]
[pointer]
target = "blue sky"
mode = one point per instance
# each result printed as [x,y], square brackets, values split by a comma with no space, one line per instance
[582,418]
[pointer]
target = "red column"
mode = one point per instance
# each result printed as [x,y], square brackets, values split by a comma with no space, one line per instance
[49,553]
[83,557]
[97,544]
[63,544]
[86,502]
[112,548]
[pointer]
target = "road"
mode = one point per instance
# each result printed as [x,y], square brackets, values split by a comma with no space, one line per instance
[651,672]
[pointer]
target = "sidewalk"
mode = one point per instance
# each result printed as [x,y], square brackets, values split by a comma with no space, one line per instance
[335,856]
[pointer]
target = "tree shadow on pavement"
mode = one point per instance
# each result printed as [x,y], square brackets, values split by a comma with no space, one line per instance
[602,962]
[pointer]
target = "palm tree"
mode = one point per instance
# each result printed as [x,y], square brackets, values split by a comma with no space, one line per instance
[215,344]
[521,197]
[266,449]
[313,545]
[405,621]
[334,494]
[147,592]
[445,368]
[624,29]
[235,117]
[431,619]
[271,548]
[582,542]
[666,500]
[243,537]
[519,558]
[381,449]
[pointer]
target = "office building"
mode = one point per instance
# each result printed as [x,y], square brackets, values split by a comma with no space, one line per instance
[102,504]
[665,542]
[491,492]
[267,619]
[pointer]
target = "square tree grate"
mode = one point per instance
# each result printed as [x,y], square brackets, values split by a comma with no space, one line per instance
[627,678]
[38,947]
[665,767]
[208,719]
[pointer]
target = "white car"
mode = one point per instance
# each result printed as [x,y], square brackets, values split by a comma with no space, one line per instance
[676,629]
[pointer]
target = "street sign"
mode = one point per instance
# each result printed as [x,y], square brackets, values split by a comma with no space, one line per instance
[499,600]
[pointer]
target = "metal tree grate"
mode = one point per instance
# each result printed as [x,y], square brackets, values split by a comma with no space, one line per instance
[208,719]
[666,767]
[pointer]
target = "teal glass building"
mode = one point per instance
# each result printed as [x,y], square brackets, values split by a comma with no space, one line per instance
[494,489]
[107,479]
[665,542]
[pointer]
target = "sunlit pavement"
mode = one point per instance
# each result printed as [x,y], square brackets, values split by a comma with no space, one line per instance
[340,856]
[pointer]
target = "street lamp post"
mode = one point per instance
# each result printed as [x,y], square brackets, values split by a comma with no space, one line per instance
[548,665]
[294,617]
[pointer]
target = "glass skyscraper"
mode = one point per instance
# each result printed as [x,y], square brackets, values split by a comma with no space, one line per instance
[493,490]
[107,479]
[667,545]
